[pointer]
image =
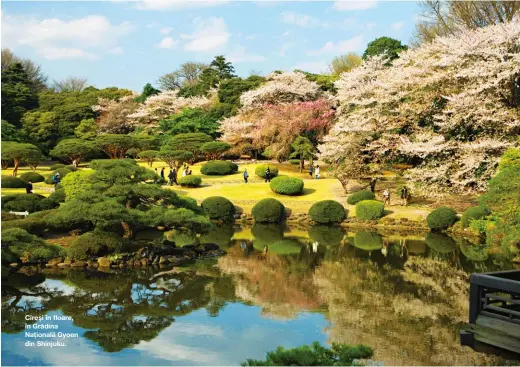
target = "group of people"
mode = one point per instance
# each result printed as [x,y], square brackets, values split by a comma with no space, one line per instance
[404,194]
[314,171]
[172,175]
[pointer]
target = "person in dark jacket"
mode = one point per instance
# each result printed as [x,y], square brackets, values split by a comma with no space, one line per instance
[172,176]
[246,175]
[162,174]
[267,175]
[29,187]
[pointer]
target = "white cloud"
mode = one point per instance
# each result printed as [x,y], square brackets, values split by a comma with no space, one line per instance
[209,34]
[167,42]
[284,48]
[316,67]
[370,26]
[166,30]
[56,39]
[353,44]
[286,33]
[116,51]
[354,5]
[301,20]
[239,54]
[251,37]
[177,4]
[397,25]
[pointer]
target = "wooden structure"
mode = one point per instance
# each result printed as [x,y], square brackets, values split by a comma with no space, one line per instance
[494,311]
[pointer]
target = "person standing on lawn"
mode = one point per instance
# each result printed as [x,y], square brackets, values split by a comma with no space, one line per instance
[246,175]
[317,172]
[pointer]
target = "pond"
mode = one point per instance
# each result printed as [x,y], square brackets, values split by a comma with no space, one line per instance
[406,296]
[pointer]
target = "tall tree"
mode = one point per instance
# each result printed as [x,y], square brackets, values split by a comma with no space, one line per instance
[20,152]
[17,95]
[70,84]
[384,46]
[302,149]
[444,18]
[148,90]
[186,75]
[38,80]
[345,63]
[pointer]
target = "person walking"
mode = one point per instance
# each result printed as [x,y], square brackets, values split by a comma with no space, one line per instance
[311,169]
[267,175]
[404,195]
[75,163]
[184,172]
[317,172]
[386,197]
[56,179]
[246,175]
[265,250]
[373,184]
[171,176]
[162,174]
[29,187]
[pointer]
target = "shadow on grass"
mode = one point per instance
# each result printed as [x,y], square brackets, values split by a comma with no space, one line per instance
[387,212]
[307,191]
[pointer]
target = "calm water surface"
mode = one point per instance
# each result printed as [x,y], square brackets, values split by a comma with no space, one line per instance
[406,296]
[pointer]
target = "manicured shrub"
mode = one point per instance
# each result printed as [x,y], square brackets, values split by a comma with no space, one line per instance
[94,244]
[10,182]
[260,170]
[57,196]
[286,185]
[217,168]
[360,196]
[71,168]
[326,235]
[368,241]
[21,244]
[76,183]
[268,211]
[218,207]
[233,166]
[441,218]
[8,198]
[47,204]
[475,212]
[24,202]
[294,161]
[32,176]
[327,211]
[56,166]
[8,216]
[440,242]
[190,181]
[31,225]
[369,210]
[63,172]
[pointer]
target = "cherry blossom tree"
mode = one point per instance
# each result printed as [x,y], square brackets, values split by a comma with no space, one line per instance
[444,107]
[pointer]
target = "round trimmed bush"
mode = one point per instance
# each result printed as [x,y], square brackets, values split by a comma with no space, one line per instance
[32,225]
[56,166]
[369,210]
[24,202]
[475,212]
[57,196]
[440,243]
[326,235]
[10,182]
[286,185]
[233,166]
[218,207]
[327,211]
[360,196]
[268,211]
[63,172]
[94,244]
[190,181]
[217,168]
[368,241]
[71,168]
[260,170]
[32,176]
[441,218]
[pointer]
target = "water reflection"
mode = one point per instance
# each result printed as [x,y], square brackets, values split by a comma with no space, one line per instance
[404,295]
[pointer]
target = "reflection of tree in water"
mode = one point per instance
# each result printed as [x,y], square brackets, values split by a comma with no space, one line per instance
[410,316]
[122,308]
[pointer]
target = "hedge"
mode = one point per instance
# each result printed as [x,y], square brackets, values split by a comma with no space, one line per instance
[327,211]
[34,226]
[56,166]
[475,212]
[260,170]
[190,181]
[368,240]
[94,244]
[18,243]
[32,176]
[24,202]
[218,168]
[286,185]
[441,218]
[10,182]
[369,210]
[57,196]
[8,216]
[268,211]
[326,235]
[63,172]
[360,196]
[218,207]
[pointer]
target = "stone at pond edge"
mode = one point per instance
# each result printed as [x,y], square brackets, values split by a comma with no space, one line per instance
[55,261]
[163,260]
[104,262]
[63,265]
[78,264]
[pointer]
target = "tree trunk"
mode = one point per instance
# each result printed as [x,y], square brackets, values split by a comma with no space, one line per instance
[15,169]
[128,230]
[302,164]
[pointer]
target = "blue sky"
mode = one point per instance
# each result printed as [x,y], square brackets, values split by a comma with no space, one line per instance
[127,44]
